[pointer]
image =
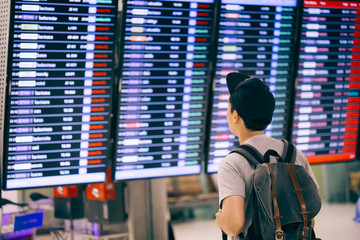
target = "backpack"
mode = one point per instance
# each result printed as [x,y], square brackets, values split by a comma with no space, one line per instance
[285,196]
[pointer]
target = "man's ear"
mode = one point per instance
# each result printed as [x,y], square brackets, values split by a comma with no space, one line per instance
[236,117]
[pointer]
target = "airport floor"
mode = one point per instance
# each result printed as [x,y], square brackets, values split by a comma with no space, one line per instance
[334,222]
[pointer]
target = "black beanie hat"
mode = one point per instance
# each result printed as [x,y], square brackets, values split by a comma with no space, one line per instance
[252,100]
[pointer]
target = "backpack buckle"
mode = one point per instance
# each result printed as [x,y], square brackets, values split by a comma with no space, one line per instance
[305,232]
[279,234]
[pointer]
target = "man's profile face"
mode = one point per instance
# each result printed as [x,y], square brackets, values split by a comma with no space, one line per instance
[230,117]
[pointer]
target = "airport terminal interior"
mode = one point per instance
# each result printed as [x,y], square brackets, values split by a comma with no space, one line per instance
[113,113]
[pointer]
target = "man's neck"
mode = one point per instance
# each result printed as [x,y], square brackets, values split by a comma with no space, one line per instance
[246,134]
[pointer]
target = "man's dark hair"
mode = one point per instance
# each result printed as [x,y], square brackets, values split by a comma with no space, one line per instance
[252,100]
[259,125]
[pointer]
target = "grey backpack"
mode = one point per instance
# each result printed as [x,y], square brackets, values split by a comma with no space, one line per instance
[286,198]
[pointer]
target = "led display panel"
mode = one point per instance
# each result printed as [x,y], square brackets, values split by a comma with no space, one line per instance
[59,92]
[161,120]
[256,38]
[328,86]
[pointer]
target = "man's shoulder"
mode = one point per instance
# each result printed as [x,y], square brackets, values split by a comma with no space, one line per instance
[234,162]
[262,143]
[233,156]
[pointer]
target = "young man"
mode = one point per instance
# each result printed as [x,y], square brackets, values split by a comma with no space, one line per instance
[250,110]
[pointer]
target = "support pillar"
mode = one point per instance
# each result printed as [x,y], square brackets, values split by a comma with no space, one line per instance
[148,210]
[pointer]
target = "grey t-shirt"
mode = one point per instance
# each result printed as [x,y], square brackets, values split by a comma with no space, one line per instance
[235,173]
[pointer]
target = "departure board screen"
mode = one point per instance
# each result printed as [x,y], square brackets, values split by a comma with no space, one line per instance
[59,92]
[255,38]
[328,86]
[164,88]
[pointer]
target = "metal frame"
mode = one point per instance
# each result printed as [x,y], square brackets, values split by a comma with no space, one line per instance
[4,41]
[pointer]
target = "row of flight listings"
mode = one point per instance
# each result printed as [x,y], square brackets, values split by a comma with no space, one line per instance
[66,122]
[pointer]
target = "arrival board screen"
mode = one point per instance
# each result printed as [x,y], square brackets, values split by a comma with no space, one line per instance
[327,97]
[255,38]
[59,92]
[164,88]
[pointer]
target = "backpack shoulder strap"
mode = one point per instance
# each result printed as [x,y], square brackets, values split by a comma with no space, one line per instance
[289,152]
[250,153]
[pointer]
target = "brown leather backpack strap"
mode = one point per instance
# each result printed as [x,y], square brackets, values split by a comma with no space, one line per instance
[300,197]
[279,234]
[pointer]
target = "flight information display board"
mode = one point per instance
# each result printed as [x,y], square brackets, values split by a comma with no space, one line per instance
[327,98]
[164,88]
[255,38]
[59,92]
